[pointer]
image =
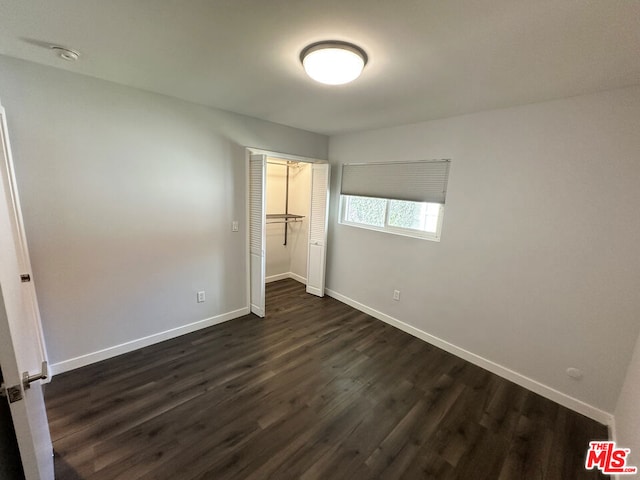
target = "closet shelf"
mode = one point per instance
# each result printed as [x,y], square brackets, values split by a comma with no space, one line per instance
[283,218]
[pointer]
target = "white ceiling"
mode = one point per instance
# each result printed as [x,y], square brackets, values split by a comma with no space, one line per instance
[427,58]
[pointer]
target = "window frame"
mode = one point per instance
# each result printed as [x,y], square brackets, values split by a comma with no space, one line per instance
[406,232]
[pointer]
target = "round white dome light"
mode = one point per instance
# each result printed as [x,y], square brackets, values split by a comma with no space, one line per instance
[333,62]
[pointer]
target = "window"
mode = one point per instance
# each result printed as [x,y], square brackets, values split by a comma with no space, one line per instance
[415,219]
[405,198]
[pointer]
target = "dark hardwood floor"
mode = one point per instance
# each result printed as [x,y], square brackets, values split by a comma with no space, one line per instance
[316,390]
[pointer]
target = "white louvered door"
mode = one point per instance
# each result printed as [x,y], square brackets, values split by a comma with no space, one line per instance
[257,236]
[318,228]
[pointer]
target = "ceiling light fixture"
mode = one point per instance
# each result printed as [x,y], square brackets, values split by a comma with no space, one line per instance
[333,62]
[65,53]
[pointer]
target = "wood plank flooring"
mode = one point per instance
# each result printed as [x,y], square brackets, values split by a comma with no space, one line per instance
[316,390]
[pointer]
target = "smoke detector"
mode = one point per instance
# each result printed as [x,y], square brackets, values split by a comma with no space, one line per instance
[65,53]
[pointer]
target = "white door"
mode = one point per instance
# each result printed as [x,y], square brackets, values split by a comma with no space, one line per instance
[21,343]
[257,231]
[317,252]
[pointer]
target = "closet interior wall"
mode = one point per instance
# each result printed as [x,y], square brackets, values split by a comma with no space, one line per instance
[290,260]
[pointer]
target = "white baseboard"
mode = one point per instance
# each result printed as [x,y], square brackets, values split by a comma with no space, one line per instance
[275,278]
[93,357]
[297,278]
[282,276]
[548,392]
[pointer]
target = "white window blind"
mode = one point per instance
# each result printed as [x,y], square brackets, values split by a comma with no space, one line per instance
[421,181]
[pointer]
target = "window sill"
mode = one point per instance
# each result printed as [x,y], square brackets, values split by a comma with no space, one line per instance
[395,231]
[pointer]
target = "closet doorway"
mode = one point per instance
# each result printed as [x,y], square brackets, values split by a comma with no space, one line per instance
[288,210]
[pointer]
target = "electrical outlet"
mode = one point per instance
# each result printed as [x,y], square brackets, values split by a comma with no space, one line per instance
[234,226]
[201,296]
[396,295]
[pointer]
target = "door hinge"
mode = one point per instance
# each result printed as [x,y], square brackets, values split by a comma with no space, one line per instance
[14,393]
[25,277]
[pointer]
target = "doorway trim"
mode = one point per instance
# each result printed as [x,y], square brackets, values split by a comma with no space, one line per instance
[269,153]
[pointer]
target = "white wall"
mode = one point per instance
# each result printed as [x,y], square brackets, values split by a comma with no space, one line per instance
[628,410]
[538,267]
[291,258]
[128,199]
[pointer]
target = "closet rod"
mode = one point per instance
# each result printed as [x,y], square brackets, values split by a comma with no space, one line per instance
[288,164]
[284,221]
